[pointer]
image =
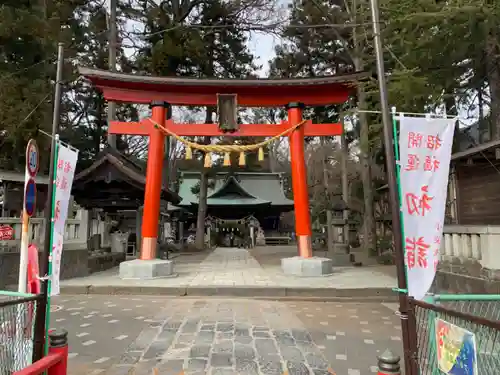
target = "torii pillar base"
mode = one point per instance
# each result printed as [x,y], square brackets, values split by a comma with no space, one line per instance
[307,267]
[139,269]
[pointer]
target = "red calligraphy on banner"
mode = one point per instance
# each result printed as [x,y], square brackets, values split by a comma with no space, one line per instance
[433,142]
[415,140]
[57,211]
[419,205]
[67,167]
[416,252]
[60,164]
[431,164]
[413,162]
[64,183]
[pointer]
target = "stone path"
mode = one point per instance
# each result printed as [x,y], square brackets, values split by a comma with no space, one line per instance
[231,267]
[225,337]
[108,333]
[135,335]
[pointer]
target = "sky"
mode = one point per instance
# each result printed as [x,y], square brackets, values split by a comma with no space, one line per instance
[262,47]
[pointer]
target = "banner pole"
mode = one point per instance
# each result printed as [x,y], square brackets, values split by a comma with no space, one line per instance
[404,305]
[40,320]
[49,266]
[398,181]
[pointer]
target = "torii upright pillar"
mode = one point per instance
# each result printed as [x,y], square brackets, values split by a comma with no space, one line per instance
[154,183]
[148,266]
[299,182]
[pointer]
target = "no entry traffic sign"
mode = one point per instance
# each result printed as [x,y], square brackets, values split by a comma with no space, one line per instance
[30,197]
[32,158]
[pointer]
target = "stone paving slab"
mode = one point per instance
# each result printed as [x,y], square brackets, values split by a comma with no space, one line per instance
[262,337]
[217,337]
[235,272]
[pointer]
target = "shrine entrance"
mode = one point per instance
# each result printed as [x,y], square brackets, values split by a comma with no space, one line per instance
[226,95]
[232,233]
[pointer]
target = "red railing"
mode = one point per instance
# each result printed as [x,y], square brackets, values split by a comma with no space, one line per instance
[56,362]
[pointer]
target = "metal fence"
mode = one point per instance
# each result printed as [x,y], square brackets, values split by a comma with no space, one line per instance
[17,320]
[484,306]
[472,342]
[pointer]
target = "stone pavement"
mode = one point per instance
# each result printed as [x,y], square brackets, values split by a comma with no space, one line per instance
[136,334]
[232,271]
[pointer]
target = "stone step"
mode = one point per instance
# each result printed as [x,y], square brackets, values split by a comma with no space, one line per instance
[275,293]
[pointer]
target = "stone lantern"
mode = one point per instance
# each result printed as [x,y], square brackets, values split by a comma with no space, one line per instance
[340,256]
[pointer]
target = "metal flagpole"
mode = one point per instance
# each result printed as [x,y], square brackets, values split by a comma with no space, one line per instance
[393,187]
[41,313]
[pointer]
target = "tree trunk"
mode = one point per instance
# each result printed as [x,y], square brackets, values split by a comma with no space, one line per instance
[329,218]
[203,194]
[345,181]
[369,228]
[202,210]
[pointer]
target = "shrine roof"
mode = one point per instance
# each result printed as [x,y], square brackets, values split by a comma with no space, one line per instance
[235,201]
[244,188]
[203,91]
[230,186]
[128,171]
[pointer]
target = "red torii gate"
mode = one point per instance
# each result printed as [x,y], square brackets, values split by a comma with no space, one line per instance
[161,92]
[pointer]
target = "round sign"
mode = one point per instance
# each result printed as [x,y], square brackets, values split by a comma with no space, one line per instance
[30,197]
[32,158]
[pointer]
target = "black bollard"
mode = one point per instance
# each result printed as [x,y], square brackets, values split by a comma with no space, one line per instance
[388,363]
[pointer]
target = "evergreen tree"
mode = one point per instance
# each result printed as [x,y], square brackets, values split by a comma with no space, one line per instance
[26,69]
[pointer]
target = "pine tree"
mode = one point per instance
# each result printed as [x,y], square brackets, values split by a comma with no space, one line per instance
[26,66]
[87,127]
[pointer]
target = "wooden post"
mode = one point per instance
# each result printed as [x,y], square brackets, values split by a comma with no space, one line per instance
[299,182]
[154,184]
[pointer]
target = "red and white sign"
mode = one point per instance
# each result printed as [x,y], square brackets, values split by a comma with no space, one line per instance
[6,233]
[425,148]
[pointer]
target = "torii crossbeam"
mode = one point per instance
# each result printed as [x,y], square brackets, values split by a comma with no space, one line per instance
[162,92]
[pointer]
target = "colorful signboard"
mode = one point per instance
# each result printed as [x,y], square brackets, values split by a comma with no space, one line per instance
[6,233]
[456,349]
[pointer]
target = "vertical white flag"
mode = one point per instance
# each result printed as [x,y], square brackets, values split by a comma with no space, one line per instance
[66,164]
[425,150]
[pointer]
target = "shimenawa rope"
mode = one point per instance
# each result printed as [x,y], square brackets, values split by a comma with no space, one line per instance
[227,149]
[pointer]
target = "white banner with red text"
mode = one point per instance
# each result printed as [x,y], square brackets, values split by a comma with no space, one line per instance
[65,172]
[425,154]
